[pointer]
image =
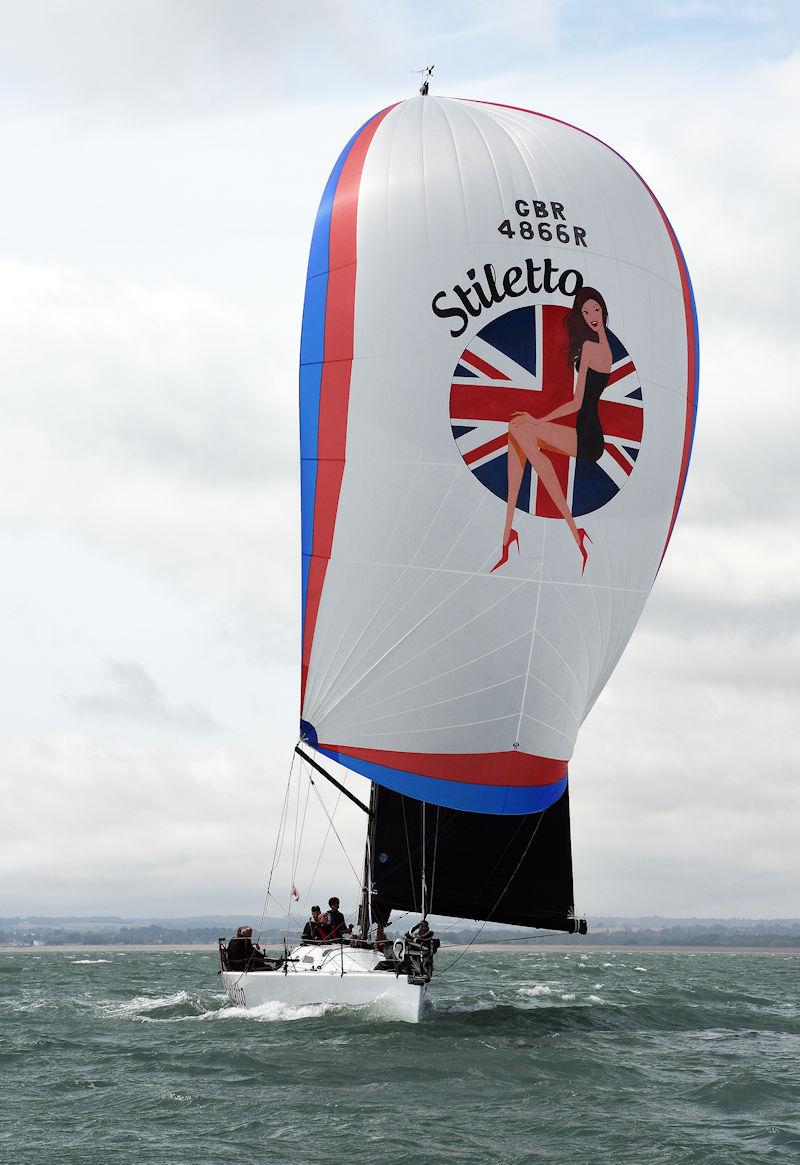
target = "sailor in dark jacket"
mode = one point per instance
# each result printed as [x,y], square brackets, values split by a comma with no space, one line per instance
[339,928]
[311,928]
[242,954]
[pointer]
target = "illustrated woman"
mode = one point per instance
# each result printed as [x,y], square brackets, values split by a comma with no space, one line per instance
[573,428]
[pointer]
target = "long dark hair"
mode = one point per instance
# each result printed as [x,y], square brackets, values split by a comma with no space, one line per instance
[577,328]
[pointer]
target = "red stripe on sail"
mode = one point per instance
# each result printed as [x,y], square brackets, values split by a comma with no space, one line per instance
[471,768]
[335,380]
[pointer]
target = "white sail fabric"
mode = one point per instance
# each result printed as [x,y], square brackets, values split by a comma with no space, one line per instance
[416,645]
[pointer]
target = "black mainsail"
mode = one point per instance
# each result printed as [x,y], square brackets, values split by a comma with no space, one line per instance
[473,865]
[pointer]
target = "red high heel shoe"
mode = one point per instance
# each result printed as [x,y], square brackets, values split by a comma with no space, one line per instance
[513,537]
[584,552]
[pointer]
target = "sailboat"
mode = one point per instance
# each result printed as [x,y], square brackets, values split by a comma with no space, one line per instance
[498,389]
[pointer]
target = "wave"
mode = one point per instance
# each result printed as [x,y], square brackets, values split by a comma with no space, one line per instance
[274,1011]
[87,962]
[153,1008]
[183,1007]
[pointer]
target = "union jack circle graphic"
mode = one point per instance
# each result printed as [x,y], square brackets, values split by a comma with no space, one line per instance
[518,363]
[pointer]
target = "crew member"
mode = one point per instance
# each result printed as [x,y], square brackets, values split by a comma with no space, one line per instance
[339,927]
[243,954]
[423,934]
[311,928]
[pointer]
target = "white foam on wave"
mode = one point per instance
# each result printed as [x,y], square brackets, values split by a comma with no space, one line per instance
[273,1011]
[596,999]
[87,962]
[468,1007]
[28,1005]
[538,989]
[641,969]
[136,1007]
[568,996]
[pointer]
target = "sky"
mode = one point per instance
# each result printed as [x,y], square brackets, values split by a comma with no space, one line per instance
[163,164]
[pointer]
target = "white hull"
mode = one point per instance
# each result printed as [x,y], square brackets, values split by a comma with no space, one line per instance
[332,975]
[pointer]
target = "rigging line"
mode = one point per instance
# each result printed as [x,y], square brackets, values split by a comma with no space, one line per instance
[435,850]
[294,851]
[275,853]
[335,831]
[408,854]
[300,839]
[500,896]
[424,863]
[322,849]
[284,826]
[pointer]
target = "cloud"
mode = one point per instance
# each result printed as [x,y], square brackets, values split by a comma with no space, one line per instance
[132,693]
[143,421]
[140,828]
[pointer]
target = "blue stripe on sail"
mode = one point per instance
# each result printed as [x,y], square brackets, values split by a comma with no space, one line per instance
[501,799]
[312,355]
[308,490]
[695,341]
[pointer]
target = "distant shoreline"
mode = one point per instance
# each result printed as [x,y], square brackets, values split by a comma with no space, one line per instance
[478,948]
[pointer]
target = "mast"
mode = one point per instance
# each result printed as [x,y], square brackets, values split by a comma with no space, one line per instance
[364,910]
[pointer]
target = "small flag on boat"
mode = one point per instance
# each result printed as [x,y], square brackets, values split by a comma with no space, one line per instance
[295,895]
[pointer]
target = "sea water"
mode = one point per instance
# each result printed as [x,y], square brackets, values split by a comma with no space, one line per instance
[540,1056]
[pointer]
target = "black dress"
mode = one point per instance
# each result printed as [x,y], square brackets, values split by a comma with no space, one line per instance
[587,424]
